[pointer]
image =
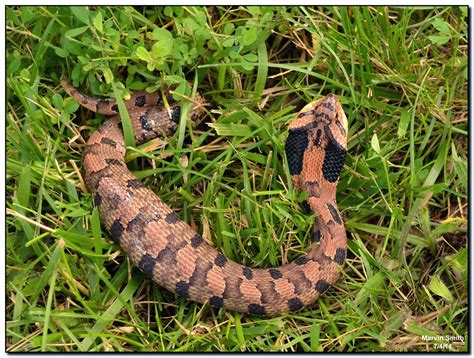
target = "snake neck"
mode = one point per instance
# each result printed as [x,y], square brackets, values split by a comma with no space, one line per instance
[328,229]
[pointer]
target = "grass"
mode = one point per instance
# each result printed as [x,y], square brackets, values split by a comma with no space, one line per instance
[401,74]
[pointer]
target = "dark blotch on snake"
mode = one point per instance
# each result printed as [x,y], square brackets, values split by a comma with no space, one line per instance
[295,147]
[294,304]
[113,161]
[220,260]
[172,218]
[334,213]
[175,114]
[301,260]
[275,273]
[134,184]
[248,273]
[182,289]
[334,156]
[322,285]
[316,236]
[340,256]
[216,301]
[147,264]
[256,309]
[196,241]
[116,230]
[144,123]
[140,101]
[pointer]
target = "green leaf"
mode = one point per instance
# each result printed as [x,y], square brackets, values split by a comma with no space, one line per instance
[143,54]
[251,57]
[98,22]
[442,26]
[439,288]
[405,116]
[70,105]
[61,52]
[75,32]
[249,36]
[108,75]
[460,165]
[459,262]
[375,143]
[231,129]
[439,39]
[81,12]
[228,42]
[247,66]
[57,101]
[161,34]
[162,48]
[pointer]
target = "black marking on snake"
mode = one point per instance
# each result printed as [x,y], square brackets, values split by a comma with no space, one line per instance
[232,287]
[113,200]
[199,276]
[216,301]
[317,138]
[182,289]
[137,225]
[172,218]
[301,260]
[97,177]
[340,126]
[275,273]
[334,156]
[334,213]
[196,241]
[340,256]
[313,189]
[147,264]
[134,184]
[294,304]
[116,230]
[306,206]
[220,260]
[248,273]
[322,285]
[307,113]
[108,141]
[316,237]
[140,101]
[323,117]
[295,147]
[97,199]
[175,114]
[256,309]
[166,252]
[145,124]
[328,105]
[268,293]
[113,161]
[115,108]
[300,282]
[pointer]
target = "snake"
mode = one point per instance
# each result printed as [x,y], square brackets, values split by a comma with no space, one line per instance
[169,252]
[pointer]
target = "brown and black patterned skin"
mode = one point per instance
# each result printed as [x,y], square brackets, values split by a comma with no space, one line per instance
[169,251]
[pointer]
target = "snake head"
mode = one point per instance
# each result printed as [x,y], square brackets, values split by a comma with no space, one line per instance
[325,114]
[317,142]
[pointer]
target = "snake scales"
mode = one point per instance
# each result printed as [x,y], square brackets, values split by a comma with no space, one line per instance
[169,251]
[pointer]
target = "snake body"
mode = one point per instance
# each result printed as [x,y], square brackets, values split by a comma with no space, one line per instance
[171,253]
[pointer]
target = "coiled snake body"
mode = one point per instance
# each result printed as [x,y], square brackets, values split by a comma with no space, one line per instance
[169,251]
